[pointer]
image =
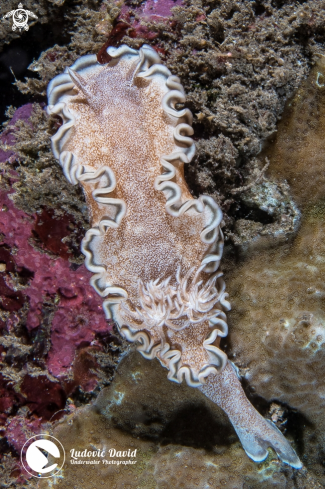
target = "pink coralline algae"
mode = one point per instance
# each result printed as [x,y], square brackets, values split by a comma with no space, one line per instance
[138,22]
[152,11]
[78,318]
[20,429]
[8,398]
[51,301]
[158,9]
[79,314]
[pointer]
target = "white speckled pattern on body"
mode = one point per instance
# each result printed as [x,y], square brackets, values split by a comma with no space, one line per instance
[154,249]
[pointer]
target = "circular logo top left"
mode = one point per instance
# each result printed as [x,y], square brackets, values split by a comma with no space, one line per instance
[43,456]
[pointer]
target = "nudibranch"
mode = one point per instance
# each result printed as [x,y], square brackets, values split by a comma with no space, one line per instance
[154,249]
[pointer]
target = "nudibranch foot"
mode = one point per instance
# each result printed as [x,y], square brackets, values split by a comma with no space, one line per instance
[152,247]
[255,432]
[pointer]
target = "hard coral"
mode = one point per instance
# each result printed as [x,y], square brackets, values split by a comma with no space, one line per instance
[297,152]
[277,326]
[275,42]
[277,322]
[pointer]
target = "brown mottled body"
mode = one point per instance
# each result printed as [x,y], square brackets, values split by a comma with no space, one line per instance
[152,247]
[149,243]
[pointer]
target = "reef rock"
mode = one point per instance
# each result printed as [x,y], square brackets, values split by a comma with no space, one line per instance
[277,322]
[173,427]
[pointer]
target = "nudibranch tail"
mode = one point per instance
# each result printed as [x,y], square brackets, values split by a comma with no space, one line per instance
[255,433]
[152,247]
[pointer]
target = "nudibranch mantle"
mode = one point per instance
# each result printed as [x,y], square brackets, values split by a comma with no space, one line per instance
[152,246]
[154,249]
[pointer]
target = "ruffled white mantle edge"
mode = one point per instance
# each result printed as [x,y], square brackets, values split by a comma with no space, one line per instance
[149,65]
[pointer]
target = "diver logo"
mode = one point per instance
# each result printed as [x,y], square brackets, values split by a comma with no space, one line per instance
[42,456]
[20,18]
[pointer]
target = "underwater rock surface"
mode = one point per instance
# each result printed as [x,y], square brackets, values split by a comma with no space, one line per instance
[240,63]
[183,440]
[277,321]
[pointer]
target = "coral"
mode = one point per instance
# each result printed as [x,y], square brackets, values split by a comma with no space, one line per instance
[145,416]
[282,302]
[278,316]
[297,152]
[239,61]
[277,321]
